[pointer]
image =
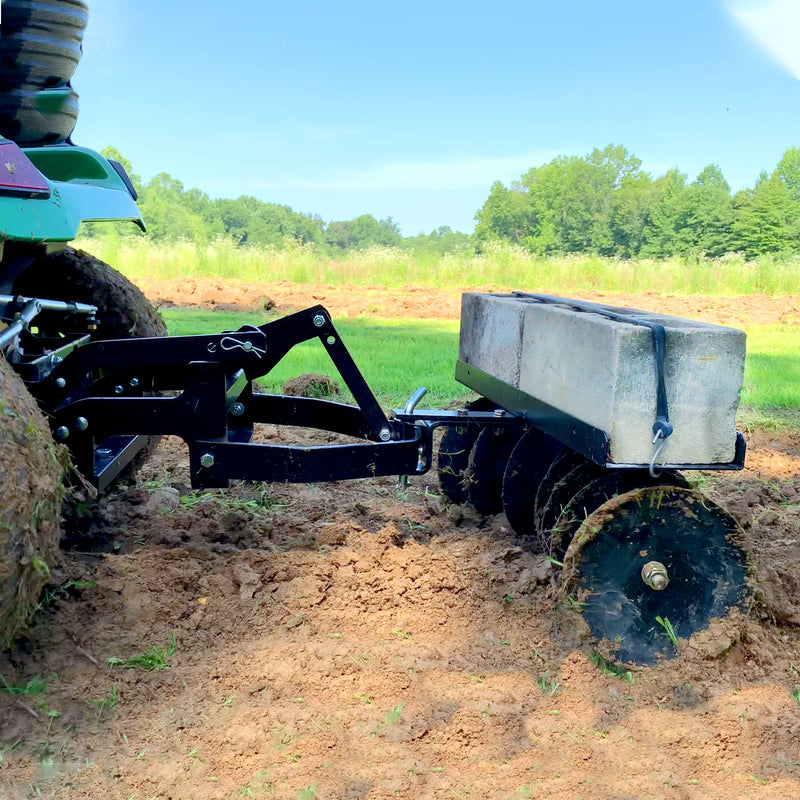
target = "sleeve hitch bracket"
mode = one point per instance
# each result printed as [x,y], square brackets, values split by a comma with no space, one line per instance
[106,398]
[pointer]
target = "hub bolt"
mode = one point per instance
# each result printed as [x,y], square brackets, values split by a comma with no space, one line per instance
[207,460]
[62,432]
[318,320]
[81,424]
[654,574]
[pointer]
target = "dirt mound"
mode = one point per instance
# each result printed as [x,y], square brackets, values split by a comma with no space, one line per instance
[426,302]
[30,487]
[309,385]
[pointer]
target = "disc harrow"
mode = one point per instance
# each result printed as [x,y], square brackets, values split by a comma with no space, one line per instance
[646,560]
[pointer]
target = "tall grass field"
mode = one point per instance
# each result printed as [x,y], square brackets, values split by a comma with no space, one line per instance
[498,267]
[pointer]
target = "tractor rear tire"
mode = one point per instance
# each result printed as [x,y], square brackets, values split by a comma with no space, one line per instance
[41,42]
[32,490]
[123,312]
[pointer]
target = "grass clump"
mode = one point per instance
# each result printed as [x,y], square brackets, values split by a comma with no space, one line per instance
[669,630]
[154,658]
[610,668]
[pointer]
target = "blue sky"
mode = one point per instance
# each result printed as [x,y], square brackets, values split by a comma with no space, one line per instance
[413,109]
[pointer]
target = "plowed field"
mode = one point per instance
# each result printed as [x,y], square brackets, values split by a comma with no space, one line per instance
[349,640]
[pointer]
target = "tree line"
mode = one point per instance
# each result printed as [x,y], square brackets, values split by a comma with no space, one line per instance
[173,212]
[605,204]
[602,203]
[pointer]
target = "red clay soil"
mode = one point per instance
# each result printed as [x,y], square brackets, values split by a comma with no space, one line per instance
[423,302]
[347,640]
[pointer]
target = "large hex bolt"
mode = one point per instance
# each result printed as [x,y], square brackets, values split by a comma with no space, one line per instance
[654,574]
[318,320]
[207,460]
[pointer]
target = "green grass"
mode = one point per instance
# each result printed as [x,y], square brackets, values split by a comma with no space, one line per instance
[499,267]
[396,356]
[772,372]
[668,630]
[152,659]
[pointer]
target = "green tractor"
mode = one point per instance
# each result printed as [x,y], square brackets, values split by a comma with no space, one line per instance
[87,375]
[51,295]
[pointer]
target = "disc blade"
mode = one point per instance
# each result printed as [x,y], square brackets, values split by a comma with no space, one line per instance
[454,450]
[527,465]
[694,540]
[487,464]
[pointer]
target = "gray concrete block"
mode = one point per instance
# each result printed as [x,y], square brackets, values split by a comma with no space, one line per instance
[602,372]
[491,334]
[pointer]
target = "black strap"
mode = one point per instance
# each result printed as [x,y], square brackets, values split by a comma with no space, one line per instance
[662,427]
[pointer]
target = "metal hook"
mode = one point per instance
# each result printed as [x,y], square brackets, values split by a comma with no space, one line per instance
[652,468]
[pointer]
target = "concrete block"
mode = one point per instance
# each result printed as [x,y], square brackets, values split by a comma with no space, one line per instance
[491,333]
[602,372]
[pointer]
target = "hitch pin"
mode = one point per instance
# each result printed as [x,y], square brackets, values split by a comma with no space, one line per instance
[230,343]
[402,480]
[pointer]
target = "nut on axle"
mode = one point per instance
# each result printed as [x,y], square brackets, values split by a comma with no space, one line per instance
[654,574]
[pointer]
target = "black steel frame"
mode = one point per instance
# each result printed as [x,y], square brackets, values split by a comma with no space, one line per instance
[106,399]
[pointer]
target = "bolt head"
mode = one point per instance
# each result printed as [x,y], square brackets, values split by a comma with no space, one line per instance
[134,382]
[81,424]
[207,460]
[654,575]
[385,435]
[62,432]
[237,409]
[659,582]
[319,320]
[61,383]
[118,390]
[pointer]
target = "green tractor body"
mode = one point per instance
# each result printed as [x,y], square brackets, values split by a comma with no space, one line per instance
[81,186]
[65,185]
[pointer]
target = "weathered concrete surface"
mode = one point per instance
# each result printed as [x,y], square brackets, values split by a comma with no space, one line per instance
[602,372]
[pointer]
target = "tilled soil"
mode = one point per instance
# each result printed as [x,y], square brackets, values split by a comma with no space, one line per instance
[424,302]
[350,640]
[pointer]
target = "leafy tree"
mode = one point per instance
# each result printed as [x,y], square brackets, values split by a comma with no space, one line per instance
[438,242]
[506,215]
[363,232]
[710,213]
[768,218]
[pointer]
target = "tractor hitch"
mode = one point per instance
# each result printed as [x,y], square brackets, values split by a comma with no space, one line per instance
[106,399]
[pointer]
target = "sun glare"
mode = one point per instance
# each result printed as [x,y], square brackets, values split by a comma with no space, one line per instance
[773,24]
